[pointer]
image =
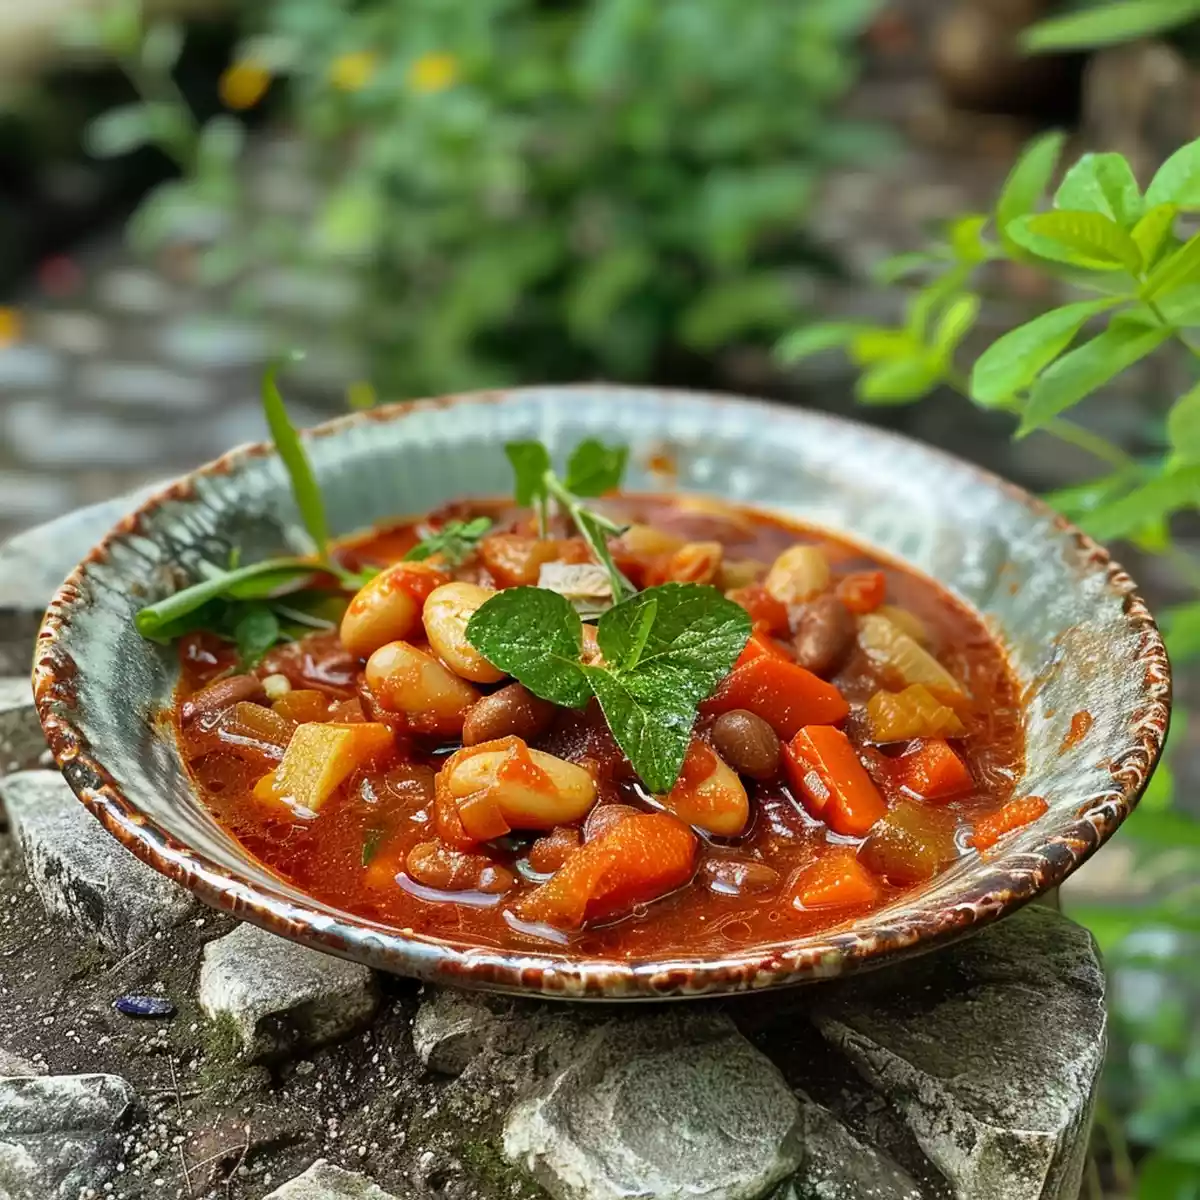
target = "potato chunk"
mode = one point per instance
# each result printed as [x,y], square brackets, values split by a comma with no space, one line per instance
[318,758]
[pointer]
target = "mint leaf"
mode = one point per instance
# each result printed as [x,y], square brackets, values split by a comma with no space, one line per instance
[653,729]
[535,636]
[455,541]
[696,633]
[256,631]
[595,468]
[530,462]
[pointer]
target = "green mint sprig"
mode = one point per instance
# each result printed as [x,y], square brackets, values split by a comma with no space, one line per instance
[664,652]
[592,470]
[455,542]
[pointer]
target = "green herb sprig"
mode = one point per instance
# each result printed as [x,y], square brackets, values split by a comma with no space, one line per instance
[592,470]
[664,651]
[258,605]
[455,542]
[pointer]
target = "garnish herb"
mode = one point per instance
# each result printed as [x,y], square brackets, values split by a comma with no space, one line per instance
[371,844]
[455,541]
[664,652]
[291,450]
[240,603]
[592,470]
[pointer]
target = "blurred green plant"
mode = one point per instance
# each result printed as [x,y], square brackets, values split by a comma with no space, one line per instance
[1109,23]
[1137,285]
[517,189]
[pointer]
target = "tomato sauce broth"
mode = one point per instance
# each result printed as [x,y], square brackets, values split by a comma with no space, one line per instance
[351,855]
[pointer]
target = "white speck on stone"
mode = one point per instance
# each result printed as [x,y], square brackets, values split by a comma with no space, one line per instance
[283,997]
[81,873]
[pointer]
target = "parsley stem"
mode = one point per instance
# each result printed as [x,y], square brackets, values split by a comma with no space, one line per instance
[1097,446]
[594,528]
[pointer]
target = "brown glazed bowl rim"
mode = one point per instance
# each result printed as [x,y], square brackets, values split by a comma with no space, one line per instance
[999,888]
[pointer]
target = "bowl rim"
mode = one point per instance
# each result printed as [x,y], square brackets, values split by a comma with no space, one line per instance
[998,891]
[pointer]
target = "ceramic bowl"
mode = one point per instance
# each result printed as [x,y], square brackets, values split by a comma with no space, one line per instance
[1079,636]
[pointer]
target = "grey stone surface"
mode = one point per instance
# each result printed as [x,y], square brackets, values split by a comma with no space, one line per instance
[58,1134]
[990,1054]
[21,740]
[451,1028]
[14,1064]
[282,997]
[670,1105]
[324,1181]
[83,874]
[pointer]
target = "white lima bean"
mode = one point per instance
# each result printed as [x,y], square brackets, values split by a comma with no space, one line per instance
[447,610]
[406,680]
[554,792]
[386,609]
[717,803]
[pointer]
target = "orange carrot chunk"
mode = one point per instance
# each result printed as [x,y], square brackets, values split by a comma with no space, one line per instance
[635,861]
[1013,815]
[862,592]
[784,694]
[760,645]
[933,771]
[825,773]
[763,608]
[836,880]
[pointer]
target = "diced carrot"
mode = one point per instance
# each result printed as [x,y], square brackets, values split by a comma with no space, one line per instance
[863,591]
[635,861]
[762,607]
[836,880]
[318,758]
[823,769]
[761,643]
[933,771]
[1021,811]
[784,694]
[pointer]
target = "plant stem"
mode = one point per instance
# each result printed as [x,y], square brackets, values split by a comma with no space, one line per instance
[1096,445]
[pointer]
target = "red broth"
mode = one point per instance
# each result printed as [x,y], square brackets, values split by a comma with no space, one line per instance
[787,873]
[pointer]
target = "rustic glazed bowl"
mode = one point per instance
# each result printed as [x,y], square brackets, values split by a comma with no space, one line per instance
[1079,636]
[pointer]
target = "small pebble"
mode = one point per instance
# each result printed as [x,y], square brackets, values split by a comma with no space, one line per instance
[144,1006]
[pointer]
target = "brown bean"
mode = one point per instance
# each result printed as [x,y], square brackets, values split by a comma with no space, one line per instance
[825,636]
[510,711]
[603,817]
[437,866]
[738,877]
[747,743]
[219,694]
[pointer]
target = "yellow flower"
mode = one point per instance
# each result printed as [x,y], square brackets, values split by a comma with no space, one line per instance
[10,326]
[352,72]
[433,73]
[243,84]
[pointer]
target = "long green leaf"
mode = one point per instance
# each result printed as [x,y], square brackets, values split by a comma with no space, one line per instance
[899,382]
[1012,363]
[1107,24]
[1087,368]
[152,619]
[1102,183]
[291,450]
[1162,496]
[1177,181]
[813,339]
[1183,426]
[1028,180]
[1175,271]
[1181,629]
[1082,239]
[1153,232]
[956,322]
